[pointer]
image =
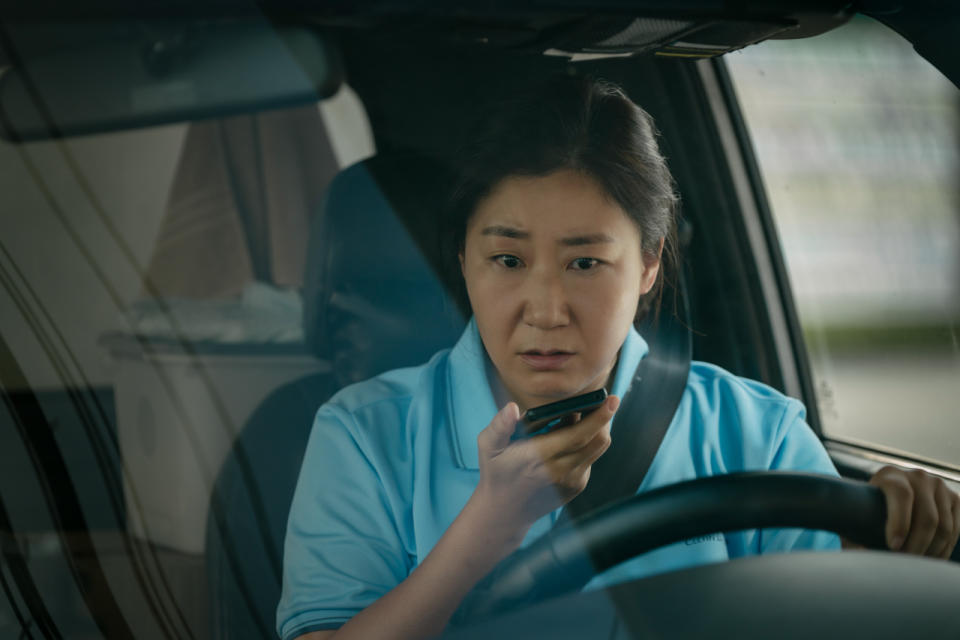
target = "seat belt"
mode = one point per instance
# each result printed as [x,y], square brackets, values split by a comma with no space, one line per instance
[645,413]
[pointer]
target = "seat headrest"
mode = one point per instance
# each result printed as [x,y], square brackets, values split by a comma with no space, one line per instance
[372,298]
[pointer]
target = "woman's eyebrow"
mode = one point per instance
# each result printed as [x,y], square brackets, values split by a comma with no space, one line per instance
[594,238]
[570,241]
[504,231]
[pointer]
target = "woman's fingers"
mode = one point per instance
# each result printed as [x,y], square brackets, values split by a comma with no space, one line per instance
[899,495]
[532,476]
[925,518]
[496,436]
[575,438]
[945,537]
[566,454]
[597,447]
[923,514]
[571,473]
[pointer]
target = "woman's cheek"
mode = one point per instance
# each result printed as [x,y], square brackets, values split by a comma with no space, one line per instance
[601,292]
[483,281]
[494,286]
[609,306]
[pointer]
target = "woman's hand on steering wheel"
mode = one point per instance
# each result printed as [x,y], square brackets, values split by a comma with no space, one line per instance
[523,480]
[923,514]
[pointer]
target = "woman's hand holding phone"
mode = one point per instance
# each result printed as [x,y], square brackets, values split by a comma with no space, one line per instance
[521,480]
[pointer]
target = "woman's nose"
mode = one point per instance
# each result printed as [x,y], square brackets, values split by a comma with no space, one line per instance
[545,302]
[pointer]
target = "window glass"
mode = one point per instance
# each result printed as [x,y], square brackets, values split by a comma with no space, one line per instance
[150,300]
[857,140]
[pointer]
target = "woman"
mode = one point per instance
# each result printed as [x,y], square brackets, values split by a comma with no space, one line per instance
[414,485]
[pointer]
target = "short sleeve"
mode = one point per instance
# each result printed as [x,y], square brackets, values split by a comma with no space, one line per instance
[798,449]
[343,549]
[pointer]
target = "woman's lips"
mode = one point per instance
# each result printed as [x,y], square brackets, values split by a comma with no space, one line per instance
[545,361]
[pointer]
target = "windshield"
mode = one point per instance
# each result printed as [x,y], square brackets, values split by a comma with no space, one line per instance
[180,297]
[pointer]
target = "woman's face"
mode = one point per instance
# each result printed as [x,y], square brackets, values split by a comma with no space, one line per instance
[554,271]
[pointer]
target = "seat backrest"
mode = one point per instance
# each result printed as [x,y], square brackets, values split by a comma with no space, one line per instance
[372,302]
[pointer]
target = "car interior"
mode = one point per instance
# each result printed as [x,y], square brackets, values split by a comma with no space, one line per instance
[151,500]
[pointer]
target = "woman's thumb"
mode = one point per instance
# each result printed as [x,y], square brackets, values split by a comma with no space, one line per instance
[497,435]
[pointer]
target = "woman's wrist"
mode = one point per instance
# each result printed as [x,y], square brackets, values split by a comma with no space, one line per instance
[475,542]
[499,530]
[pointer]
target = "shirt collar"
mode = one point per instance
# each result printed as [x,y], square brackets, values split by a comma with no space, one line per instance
[470,400]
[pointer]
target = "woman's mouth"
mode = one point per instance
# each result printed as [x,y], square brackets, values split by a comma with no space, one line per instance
[545,360]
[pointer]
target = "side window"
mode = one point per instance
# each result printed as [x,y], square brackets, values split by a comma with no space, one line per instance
[858,142]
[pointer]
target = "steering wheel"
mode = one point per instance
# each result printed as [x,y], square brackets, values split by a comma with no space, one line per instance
[564,560]
[786,595]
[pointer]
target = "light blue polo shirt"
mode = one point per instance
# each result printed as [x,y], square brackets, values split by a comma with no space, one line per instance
[392,461]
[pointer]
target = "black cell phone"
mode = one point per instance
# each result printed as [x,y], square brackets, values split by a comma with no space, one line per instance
[547,416]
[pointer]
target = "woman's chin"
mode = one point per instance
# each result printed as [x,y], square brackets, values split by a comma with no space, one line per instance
[552,392]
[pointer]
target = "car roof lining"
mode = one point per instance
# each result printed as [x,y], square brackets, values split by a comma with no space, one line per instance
[470,30]
[110,49]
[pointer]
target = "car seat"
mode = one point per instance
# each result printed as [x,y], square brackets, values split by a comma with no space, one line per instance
[372,302]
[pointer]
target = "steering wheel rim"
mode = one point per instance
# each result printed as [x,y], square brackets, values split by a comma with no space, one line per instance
[566,558]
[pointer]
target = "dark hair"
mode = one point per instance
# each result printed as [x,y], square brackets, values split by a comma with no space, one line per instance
[573,122]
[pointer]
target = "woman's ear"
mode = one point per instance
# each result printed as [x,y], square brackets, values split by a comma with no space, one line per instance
[651,267]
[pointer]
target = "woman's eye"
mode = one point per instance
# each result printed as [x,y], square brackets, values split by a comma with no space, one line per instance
[508,261]
[584,264]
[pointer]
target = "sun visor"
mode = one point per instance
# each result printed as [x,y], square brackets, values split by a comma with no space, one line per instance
[694,38]
[91,77]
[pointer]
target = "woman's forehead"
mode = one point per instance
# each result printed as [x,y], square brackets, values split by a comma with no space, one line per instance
[567,205]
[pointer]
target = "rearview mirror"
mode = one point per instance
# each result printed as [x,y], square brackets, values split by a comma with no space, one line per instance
[82,78]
